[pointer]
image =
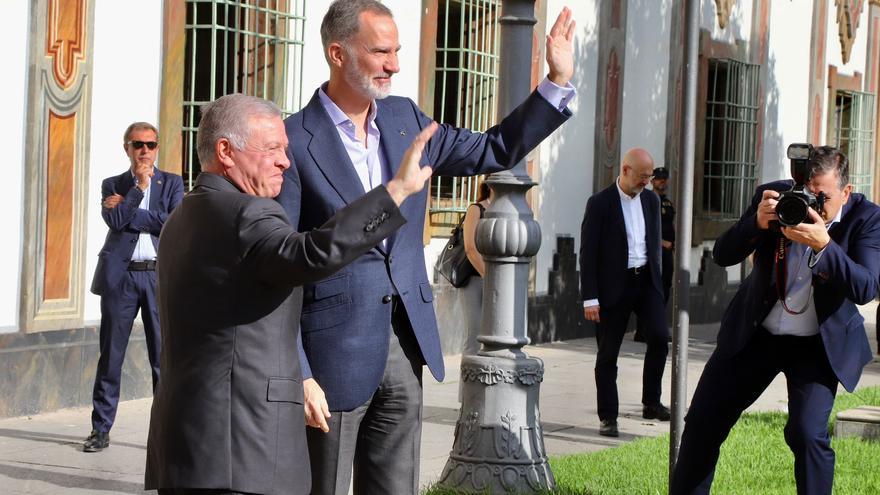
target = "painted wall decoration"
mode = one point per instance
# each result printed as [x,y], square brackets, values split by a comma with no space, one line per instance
[58,122]
[848,14]
[723,8]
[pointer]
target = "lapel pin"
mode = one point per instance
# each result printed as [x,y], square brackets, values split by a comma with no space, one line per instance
[402,132]
[159,182]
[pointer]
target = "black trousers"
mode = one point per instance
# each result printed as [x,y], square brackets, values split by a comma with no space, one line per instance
[640,297]
[136,291]
[729,385]
[375,447]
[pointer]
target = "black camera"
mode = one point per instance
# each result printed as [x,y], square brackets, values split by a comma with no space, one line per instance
[792,205]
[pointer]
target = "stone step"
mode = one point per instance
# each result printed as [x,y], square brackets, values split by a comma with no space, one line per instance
[863,421]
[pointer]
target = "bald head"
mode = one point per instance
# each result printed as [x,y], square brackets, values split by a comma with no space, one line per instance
[636,170]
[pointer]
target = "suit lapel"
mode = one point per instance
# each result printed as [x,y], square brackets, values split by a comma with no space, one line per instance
[157,184]
[617,209]
[328,152]
[394,137]
[124,183]
[393,142]
[648,214]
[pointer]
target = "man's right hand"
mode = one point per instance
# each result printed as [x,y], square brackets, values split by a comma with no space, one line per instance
[591,313]
[767,209]
[112,201]
[143,173]
[411,176]
[316,408]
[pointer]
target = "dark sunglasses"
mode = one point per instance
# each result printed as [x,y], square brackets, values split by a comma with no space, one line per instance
[140,144]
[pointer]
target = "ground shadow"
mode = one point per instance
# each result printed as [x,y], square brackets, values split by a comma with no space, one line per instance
[68,480]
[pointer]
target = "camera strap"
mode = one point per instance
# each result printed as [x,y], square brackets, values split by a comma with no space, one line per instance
[781,266]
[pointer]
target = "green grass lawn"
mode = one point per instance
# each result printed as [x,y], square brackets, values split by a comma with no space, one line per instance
[754,459]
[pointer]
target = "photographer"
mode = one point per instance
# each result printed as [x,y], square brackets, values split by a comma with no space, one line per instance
[794,314]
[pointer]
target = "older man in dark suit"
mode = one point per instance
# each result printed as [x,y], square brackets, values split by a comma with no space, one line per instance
[794,314]
[135,205]
[620,275]
[368,331]
[228,415]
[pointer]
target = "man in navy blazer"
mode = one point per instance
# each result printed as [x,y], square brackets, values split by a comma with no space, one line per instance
[794,314]
[134,206]
[620,275]
[368,330]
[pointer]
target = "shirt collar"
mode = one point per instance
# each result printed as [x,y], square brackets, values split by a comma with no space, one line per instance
[836,218]
[624,195]
[336,114]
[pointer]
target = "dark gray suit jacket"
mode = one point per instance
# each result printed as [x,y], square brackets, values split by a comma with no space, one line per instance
[227,413]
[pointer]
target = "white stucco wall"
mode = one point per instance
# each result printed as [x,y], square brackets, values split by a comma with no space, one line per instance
[13,95]
[646,77]
[125,88]
[407,15]
[566,157]
[786,104]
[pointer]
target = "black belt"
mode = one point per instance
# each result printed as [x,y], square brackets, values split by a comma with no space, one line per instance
[636,271]
[142,266]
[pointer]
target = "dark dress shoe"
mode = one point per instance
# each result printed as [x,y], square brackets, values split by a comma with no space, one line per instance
[97,441]
[608,428]
[656,411]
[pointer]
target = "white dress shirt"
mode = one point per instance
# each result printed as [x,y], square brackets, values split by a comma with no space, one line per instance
[636,235]
[144,249]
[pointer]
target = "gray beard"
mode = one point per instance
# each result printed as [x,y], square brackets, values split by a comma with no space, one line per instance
[364,83]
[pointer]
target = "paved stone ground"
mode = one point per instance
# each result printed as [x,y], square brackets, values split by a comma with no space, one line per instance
[42,454]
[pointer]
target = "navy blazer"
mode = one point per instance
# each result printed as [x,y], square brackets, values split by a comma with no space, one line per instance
[345,319]
[604,249]
[126,222]
[847,273]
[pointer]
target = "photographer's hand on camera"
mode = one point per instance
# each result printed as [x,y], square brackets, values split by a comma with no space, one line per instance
[815,235]
[767,209]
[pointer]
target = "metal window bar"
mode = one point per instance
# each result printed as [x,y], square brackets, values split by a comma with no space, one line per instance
[466,85]
[730,159]
[854,136]
[253,47]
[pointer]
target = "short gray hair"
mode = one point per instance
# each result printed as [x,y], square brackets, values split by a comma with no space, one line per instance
[139,126]
[229,117]
[343,19]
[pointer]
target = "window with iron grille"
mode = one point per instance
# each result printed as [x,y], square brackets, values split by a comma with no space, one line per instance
[729,158]
[252,47]
[466,84]
[852,132]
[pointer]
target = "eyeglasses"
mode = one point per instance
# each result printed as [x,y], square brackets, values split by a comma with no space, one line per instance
[641,176]
[140,144]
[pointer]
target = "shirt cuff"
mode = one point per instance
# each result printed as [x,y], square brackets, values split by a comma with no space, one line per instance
[589,303]
[556,95]
[814,256]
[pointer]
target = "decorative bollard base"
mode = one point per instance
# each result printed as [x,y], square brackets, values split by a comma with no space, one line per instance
[498,445]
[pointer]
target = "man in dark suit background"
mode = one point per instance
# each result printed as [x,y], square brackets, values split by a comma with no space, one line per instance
[134,205]
[227,415]
[811,330]
[621,275]
[660,186]
[368,330]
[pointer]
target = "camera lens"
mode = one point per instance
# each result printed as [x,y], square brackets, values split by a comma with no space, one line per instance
[791,210]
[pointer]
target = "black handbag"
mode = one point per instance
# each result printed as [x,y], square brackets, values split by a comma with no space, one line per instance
[453,263]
